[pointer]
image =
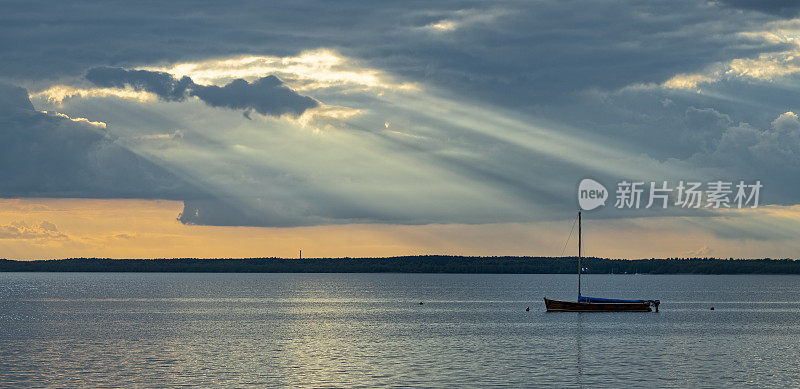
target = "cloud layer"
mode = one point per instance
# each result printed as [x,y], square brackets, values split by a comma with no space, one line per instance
[266,95]
[52,155]
[445,112]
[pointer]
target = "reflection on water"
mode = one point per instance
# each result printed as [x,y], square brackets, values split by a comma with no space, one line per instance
[100,329]
[579,346]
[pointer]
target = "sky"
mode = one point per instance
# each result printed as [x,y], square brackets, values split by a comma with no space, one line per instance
[241,129]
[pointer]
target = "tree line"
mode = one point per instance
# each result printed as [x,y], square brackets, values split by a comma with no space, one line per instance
[414,264]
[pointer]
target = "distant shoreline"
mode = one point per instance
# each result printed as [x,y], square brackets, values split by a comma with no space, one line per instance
[412,264]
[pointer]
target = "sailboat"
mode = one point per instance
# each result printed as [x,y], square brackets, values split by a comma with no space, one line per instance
[596,304]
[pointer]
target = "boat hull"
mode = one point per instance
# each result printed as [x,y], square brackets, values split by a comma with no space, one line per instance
[574,306]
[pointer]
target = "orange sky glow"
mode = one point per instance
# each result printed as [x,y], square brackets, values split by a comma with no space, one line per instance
[64,228]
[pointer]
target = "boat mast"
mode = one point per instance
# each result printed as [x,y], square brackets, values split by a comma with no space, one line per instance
[579,255]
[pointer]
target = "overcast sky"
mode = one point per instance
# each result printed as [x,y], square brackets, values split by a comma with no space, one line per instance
[447,113]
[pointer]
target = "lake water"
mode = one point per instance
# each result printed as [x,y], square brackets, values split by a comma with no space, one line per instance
[368,330]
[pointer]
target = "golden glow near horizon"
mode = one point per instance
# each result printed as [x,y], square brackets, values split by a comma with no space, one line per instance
[63,228]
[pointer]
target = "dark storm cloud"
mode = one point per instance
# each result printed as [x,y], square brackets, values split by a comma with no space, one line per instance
[44,155]
[162,84]
[233,211]
[530,52]
[266,95]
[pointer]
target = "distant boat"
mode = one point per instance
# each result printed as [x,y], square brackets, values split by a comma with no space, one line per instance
[595,304]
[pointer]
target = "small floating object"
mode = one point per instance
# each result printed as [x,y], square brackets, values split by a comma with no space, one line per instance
[528,309]
[420,303]
[712,308]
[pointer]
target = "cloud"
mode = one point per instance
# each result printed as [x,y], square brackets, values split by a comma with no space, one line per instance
[689,81]
[465,17]
[703,126]
[22,230]
[59,93]
[535,51]
[162,84]
[309,70]
[777,59]
[266,95]
[53,155]
[785,8]
[777,147]
[771,155]
[492,119]
[79,120]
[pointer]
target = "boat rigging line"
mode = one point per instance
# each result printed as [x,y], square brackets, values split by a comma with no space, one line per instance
[568,237]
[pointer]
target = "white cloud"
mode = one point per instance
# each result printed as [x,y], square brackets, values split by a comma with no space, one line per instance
[766,66]
[59,93]
[443,25]
[311,70]
[688,81]
[464,18]
[97,124]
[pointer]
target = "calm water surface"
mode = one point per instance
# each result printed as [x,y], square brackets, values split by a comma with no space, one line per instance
[367,330]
